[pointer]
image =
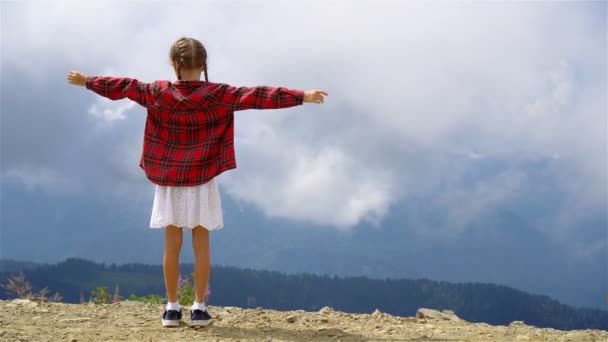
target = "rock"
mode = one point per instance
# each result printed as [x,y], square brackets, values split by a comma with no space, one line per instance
[517,324]
[75,320]
[326,310]
[438,315]
[334,332]
[291,319]
[377,313]
[20,301]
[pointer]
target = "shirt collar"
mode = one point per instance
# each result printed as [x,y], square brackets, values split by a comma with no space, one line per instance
[189,82]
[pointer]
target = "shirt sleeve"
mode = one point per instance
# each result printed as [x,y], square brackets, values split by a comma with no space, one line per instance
[116,88]
[260,97]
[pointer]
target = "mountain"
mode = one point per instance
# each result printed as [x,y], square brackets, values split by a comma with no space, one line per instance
[247,288]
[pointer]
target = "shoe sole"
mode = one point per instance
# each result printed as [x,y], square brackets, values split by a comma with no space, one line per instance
[168,323]
[201,323]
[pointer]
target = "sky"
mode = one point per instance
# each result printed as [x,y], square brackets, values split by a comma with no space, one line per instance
[448,125]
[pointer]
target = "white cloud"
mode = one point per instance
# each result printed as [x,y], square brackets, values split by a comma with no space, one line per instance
[413,86]
[109,111]
[326,186]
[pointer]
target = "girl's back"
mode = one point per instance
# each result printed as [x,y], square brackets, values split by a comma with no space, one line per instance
[188,141]
[189,135]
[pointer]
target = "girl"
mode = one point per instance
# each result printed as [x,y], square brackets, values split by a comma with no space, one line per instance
[188,142]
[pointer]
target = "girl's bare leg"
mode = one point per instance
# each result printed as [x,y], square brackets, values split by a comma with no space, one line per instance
[202,262]
[173,245]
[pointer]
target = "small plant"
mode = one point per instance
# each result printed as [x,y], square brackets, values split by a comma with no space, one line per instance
[56,298]
[186,292]
[17,286]
[100,296]
[207,294]
[40,296]
[116,298]
[151,299]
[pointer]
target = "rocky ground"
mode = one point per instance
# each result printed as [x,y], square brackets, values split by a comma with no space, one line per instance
[25,320]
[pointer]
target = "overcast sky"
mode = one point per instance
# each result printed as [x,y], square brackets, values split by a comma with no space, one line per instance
[469,107]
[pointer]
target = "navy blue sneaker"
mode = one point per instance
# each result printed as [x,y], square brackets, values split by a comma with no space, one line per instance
[171,318]
[200,317]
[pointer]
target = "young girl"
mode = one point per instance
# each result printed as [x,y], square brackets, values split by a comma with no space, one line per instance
[188,141]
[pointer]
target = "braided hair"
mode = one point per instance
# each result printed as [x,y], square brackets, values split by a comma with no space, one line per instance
[187,54]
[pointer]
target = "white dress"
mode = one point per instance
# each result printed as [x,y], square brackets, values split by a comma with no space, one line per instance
[188,206]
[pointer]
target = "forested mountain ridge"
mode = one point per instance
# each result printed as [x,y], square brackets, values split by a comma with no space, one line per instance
[248,288]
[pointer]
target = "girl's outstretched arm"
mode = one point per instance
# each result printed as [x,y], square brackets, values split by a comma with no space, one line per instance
[114,88]
[265,97]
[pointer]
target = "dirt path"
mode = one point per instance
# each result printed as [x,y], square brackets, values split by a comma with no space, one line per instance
[23,320]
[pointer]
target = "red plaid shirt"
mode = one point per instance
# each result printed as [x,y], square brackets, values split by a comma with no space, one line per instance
[189,135]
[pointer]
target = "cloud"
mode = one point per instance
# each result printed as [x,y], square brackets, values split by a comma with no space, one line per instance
[108,110]
[414,88]
[44,178]
[325,186]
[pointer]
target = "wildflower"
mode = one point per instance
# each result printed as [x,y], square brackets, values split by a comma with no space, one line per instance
[207,294]
[116,297]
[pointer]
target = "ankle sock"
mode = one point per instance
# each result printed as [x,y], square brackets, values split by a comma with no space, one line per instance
[173,306]
[198,306]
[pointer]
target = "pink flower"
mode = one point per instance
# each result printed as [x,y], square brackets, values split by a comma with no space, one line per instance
[115,298]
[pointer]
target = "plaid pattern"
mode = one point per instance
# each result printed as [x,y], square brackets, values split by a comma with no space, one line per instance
[189,134]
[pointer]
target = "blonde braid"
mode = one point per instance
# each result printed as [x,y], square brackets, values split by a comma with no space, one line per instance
[182,59]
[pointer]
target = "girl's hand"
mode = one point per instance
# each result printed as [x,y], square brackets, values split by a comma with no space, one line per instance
[314,96]
[77,78]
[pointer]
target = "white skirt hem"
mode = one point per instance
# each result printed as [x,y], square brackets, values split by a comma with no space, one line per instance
[183,226]
[187,207]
